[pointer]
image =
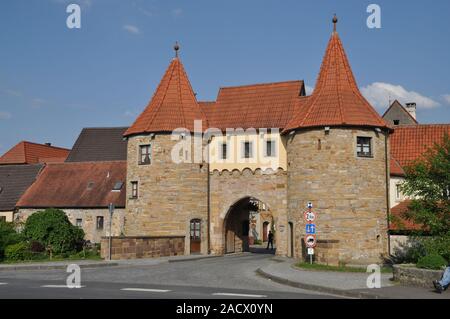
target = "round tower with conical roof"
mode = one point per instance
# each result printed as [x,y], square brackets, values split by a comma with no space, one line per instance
[337,149]
[166,186]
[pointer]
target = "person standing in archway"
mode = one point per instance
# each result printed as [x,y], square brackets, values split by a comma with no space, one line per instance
[270,240]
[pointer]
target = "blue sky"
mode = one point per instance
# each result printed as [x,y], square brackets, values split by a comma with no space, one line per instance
[54,81]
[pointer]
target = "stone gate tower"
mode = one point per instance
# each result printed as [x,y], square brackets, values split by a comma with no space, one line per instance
[337,149]
[164,195]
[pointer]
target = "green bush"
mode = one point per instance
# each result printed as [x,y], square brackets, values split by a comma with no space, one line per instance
[53,229]
[433,261]
[19,251]
[8,236]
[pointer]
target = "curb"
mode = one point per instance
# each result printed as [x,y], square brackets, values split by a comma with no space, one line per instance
[53,267]
[334,291]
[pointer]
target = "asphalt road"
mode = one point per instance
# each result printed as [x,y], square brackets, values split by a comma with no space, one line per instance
[222,277]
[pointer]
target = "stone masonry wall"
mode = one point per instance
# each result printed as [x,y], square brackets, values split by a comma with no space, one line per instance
[170,194]
[227,188]
[89,220]
[348,194]
[142,247]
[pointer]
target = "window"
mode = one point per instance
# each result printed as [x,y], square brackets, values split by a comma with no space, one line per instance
[270,148]
[364,146]
[2,218]
[117,186]
[248,150]
[134,189]
[90,186]
[223,151]
[195,229]
[79,222]
[398,192]
[145,154]
[100,222]
[396,122]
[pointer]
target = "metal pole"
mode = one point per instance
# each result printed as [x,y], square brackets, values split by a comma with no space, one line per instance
[111,210]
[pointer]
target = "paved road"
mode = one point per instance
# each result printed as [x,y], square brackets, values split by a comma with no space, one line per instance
[222,277]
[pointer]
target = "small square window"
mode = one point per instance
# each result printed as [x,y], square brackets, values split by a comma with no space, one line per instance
[364,146]
[247,151]
[396,122]
[134,189]
[79,222]
[270,148]
[145,156]
[100,220]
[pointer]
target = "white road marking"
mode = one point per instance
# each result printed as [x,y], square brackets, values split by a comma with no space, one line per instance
[145,290]
[238,295]
[59,286]
[3,283]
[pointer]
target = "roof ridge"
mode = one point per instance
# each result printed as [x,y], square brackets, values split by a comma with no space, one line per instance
[45,145]
[259,84]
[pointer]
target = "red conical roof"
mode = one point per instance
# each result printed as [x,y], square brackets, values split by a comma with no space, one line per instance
[336,100]
[172,106]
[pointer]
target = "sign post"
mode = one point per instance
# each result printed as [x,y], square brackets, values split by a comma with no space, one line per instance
[111,212]
[310,229]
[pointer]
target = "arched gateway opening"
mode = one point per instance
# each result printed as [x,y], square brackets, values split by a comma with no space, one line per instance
[247,224]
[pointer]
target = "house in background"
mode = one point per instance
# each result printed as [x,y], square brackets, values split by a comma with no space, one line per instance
[14,181]
[397,114]
[92,177]
[84,191]
[19,168]
[33,153]
[99,144]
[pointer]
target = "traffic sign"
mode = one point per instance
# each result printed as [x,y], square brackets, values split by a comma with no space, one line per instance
[309,205]
[310,251]
[309,216]
[310,241]
[311,229]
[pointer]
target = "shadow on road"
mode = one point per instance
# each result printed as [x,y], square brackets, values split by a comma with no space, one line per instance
[262,250]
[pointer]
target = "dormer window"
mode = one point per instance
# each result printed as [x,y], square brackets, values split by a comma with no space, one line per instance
[117,187]
[364,146]
[90,186]
[145,154]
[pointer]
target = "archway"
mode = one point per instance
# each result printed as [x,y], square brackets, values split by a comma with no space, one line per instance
[244,226]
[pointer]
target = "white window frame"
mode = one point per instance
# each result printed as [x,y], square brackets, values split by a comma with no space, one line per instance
[251,149]
[273,150]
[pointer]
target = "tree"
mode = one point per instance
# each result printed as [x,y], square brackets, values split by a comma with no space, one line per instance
[53,229]
[428,184]
[8,236]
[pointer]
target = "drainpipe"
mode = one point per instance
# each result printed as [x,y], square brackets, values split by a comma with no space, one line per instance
[208,203]
[387,160]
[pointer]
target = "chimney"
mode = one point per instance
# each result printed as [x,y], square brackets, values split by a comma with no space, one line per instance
[411,108]
[48,144]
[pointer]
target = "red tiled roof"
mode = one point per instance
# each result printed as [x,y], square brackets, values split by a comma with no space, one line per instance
[265,105]
[33,153]
[398,219]
[336,100]
[395,168]
[65,185]
[172,106]
[409,142]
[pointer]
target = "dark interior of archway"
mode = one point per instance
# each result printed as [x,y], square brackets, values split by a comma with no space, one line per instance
[237,228]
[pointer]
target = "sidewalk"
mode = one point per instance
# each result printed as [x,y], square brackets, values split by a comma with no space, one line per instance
[351,285]
[49,265]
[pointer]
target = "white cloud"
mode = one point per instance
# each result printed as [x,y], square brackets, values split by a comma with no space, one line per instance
[177,12]
[446,98]
[379,94]
[37,102]
[13,92]
[309,89]
[131,29]
[5,115]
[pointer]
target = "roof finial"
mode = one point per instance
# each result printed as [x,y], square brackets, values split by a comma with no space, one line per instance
[335,20]
[176,47]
